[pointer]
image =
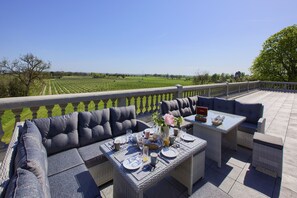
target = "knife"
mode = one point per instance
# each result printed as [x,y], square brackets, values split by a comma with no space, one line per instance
[165,160]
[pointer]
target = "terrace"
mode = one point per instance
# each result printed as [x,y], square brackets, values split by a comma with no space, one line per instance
[236,174]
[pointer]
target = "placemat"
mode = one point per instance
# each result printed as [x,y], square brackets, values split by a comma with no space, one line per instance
[130,151]
[146,170]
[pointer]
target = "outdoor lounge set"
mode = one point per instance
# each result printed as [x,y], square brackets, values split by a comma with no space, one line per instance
[253,113]
[70,156]
[57,156]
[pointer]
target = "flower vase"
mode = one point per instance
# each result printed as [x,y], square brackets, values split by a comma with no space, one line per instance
[165,135]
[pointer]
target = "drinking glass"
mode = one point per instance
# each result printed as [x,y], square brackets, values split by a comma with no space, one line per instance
[128,135]
[145,154]
[140,141]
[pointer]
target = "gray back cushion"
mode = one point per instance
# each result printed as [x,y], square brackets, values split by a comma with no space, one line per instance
[252,112]
[24,184]
[170,107]
[59,133]
[205,102]
[193,103]
[227,106]
[31,155]
[93,126]
[184,106]
[121,119]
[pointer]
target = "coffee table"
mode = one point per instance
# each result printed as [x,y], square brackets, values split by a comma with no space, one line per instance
[188,167]
[215,135]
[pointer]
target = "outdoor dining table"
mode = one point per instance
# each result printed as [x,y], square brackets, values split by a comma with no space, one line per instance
[216,135]
[188,167]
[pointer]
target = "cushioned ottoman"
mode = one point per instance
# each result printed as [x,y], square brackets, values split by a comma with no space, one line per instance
[268,152]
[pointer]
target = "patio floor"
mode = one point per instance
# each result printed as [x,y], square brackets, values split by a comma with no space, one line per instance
[236,177]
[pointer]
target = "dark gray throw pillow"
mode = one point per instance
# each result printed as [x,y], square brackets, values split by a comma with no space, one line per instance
[94,126]
[59,133]
[24,184]
[31,155]
[32,129]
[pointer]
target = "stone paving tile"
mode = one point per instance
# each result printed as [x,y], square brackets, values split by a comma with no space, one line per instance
[221,181]
[206,189]
[238,158]
[285,192]
[163,189]
[289,182]
[228,169]
[290,169]
[107,190]
[239,190]
[256,180]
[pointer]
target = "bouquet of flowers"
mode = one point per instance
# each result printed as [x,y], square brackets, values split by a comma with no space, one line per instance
[167,120]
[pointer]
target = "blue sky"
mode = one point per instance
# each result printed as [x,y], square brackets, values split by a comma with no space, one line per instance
[156,36]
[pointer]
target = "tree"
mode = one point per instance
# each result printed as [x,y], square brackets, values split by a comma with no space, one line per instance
[277,60]
[28,70]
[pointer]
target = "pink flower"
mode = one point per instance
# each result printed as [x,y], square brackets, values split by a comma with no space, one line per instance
[169,119]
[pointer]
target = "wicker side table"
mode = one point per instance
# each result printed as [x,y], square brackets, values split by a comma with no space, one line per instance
[268,152]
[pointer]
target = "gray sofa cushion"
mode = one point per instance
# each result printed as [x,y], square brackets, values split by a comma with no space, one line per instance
[252,112]
[31,155]
[93,126]
[193,103]
[72,183]
[227,106]
[248,127]
[184,106]
[205,102]
[24,184]
[63,161]
[121,119]
[32,129]
[59,133]
[170,107]
[268,140]
[92,155]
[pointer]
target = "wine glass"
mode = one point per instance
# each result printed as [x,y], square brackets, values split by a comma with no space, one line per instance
[128,135]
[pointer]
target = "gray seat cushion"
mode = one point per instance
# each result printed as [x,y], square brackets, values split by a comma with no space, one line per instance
[63,161]
[24,184]
[205,102]
[93,126]
[193,103]
[268,140]
[31,155]
[252,112]
[170,107]
[248,127]
[227,106]
[92,155]
[184,106]
[121,119]
[59,133]
[72,183]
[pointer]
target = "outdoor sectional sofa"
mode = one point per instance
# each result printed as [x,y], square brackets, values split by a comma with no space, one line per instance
[253,112]
[60,156]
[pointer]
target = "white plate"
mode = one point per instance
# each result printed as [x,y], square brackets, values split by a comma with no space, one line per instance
[132,163]
[122,140]
[187,138]
[169,152]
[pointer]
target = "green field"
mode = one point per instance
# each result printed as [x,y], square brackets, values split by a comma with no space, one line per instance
[74,84]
